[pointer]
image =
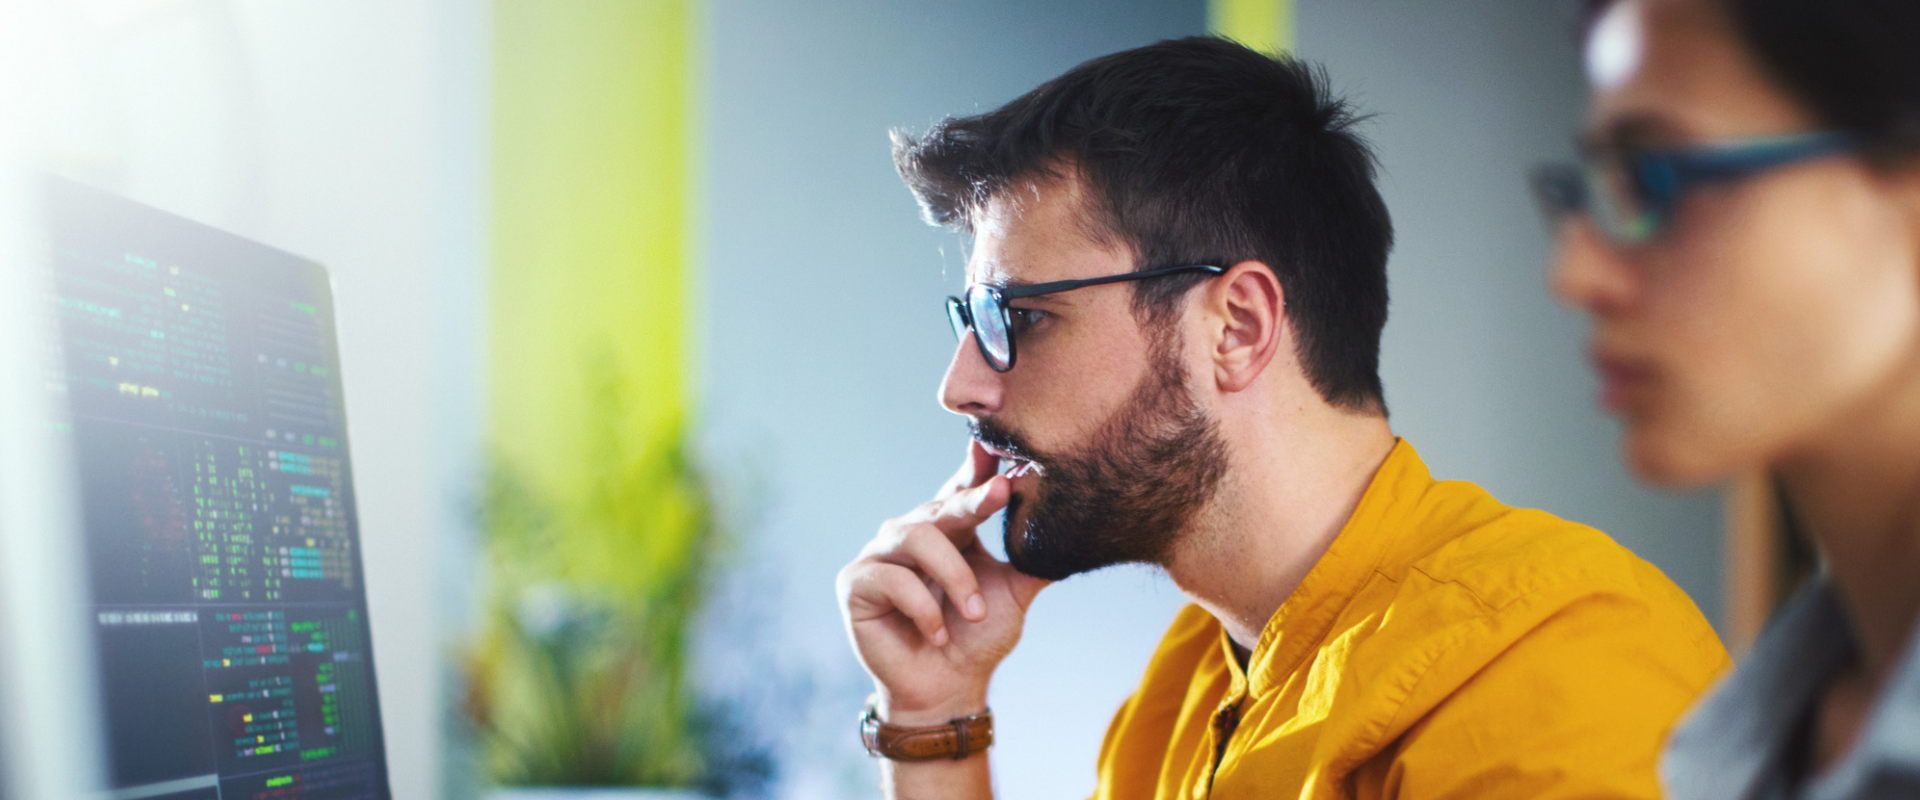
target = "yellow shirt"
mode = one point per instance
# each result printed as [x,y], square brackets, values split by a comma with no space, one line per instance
[1444,646]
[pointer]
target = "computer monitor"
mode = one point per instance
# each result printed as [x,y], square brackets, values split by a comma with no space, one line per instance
[201,377]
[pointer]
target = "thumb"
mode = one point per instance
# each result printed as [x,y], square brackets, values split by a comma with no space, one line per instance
[1020,586]
[1025,587]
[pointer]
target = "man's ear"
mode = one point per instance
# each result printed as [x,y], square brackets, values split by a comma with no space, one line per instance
[1249,309]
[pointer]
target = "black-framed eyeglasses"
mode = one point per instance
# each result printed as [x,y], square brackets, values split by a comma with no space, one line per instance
[1631,194]
[984,309]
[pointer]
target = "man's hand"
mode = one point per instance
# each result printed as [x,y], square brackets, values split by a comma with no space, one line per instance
[930,611]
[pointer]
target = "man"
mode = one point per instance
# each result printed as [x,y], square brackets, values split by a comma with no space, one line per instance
[1169,355]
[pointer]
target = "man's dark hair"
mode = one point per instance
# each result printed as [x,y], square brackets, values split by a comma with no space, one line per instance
[1853,63]
[1196,151]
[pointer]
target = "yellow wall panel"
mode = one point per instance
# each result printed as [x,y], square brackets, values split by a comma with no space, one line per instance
[590,219]
[1265,25]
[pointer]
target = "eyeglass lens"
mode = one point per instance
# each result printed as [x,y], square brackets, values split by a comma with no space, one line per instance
[989,314]
[957,317]
[1617,202]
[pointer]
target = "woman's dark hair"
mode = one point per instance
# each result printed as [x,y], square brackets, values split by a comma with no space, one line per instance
[1854,63]
[1196,151]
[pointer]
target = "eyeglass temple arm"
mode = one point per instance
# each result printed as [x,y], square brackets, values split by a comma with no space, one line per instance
[1031,290]
[1760,155]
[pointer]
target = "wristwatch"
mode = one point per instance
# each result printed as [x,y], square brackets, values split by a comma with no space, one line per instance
[959,738]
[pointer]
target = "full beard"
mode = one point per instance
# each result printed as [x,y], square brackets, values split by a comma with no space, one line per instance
[1128,495]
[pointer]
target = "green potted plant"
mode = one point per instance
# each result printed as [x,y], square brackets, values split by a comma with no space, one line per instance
[578,677]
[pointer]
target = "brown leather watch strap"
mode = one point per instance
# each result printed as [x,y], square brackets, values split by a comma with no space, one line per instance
[959,738]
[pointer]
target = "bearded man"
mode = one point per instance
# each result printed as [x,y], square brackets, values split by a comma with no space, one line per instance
[1168,355]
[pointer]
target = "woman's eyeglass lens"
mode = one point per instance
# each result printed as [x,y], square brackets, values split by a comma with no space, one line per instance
[1605,192]
[1631,195]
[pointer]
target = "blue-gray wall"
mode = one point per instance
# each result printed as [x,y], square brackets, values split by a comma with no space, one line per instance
[822,340]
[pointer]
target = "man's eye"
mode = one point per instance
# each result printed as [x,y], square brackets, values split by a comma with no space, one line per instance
[1024,318]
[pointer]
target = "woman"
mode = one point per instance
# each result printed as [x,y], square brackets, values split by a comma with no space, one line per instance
[1744,232]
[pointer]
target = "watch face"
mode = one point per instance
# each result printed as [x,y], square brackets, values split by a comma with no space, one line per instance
[870,731]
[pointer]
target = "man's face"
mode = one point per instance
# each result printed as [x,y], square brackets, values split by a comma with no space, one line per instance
[1109,454]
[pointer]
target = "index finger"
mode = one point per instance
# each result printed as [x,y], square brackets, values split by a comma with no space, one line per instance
[956,513]
[974,470]
[964,510]
[979,468]
[985,465]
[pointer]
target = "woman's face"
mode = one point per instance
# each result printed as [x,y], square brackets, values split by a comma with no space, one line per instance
[1771,310]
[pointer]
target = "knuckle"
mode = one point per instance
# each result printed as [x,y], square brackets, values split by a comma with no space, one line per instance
[844,580]
[892,577]
[850,584]
[880,574]
[922,534]
[931,546]
[937,551]
[959,505]
[908,591]
[889,538]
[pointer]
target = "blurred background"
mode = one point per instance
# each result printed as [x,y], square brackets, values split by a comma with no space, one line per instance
[655,251]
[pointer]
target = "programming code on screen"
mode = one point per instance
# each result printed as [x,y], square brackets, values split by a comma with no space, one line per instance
[200,375]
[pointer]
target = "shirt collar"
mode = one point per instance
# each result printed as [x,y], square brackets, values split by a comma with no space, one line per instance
[1886,756]
[1370,533]
[1736,742]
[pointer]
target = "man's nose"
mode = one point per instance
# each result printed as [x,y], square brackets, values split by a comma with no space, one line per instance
[970,386]
[1589,274]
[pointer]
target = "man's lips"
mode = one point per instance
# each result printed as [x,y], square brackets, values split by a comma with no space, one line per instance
[1011,465]
[1621,377]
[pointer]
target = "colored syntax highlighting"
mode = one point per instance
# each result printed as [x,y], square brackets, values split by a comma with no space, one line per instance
[200,377]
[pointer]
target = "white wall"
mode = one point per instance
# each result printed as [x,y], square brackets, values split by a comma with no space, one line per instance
[350,132]
[372,130]
[49,742]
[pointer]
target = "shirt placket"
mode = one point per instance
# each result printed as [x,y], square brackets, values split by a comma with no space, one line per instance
[1226,719]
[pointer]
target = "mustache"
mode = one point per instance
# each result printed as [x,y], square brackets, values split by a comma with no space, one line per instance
[1004,439]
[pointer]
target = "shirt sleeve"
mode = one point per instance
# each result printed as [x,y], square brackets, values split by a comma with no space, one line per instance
[1579,707]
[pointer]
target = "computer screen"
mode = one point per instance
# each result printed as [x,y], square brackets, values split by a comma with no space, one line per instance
[201,377]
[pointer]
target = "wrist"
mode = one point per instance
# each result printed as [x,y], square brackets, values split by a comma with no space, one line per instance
[917,712]
[958,739]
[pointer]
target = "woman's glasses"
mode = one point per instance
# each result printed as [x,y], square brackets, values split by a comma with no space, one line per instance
[1632,194]
[984,308]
